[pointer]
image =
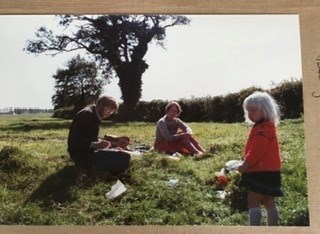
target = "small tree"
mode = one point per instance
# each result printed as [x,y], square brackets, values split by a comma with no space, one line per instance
[77,85]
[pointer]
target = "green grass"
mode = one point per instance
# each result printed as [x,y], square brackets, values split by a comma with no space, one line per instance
[38,185]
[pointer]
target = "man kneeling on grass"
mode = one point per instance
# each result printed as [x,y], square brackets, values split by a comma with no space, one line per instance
[85,149]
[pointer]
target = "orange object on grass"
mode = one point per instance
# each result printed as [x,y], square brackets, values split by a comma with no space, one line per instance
[221,181]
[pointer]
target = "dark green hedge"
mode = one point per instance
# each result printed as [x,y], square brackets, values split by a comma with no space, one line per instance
[289,97]
[226,108]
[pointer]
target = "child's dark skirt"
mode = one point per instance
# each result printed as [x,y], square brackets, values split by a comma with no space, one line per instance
[264,182]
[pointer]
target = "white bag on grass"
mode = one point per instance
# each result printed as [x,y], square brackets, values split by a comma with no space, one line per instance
[116,190]
[233,165]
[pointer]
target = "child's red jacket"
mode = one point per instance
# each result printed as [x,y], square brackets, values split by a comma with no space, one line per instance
[262,148]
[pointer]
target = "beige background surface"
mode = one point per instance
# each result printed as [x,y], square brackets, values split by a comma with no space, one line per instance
[309,14]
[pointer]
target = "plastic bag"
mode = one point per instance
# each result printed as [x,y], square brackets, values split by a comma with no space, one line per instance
[172,182]
[116,190]
[233,165]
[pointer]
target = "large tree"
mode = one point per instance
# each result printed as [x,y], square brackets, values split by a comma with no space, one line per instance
[118,42]
[77,85]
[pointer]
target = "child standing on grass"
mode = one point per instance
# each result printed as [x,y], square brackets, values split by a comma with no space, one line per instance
[260,169]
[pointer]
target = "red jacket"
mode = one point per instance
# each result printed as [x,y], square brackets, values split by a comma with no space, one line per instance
[262,148]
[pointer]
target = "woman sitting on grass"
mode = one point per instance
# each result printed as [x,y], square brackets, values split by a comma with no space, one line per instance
[173,135]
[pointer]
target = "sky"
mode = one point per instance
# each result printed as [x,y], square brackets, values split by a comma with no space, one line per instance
[214,55]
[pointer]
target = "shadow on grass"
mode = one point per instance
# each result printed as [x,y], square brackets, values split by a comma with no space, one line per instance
[52,124]
[61,187]
[56,188]
[28,126]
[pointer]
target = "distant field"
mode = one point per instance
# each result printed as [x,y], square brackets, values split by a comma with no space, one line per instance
[38,184]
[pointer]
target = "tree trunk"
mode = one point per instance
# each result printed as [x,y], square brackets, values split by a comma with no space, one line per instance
[130,82]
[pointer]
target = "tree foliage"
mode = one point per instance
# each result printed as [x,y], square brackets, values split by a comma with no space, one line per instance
[77,85]
[118,42]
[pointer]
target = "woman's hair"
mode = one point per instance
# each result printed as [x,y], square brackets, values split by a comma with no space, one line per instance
[106,101]
[264,102]
[173,103]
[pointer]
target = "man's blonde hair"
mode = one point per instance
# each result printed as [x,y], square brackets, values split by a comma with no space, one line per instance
[107,101]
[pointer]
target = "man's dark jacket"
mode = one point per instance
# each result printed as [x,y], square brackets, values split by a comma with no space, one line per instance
[83,131]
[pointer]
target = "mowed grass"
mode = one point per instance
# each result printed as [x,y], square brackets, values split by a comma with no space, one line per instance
[38,183]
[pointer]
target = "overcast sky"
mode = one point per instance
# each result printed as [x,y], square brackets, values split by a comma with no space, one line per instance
[214,55]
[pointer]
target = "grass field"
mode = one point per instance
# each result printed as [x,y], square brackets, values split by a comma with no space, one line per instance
[38,184]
